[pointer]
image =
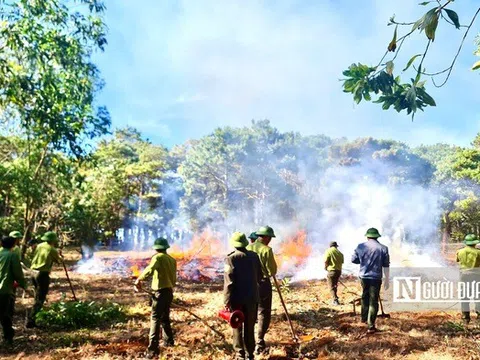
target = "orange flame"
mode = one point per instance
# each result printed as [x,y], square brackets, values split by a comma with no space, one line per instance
[204,246]
[135,271]
[294,251]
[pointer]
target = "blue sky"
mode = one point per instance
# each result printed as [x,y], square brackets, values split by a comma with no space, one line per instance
[178,69]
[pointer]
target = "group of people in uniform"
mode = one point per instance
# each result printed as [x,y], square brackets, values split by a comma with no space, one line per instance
[247,285]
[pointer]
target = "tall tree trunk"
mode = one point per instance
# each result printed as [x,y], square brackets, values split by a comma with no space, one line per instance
[447,231]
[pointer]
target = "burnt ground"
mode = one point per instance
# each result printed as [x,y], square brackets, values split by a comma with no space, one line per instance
[326,332]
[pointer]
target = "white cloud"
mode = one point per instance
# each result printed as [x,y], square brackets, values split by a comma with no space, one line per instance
[213,63]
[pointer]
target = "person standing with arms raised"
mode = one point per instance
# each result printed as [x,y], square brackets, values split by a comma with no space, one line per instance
[373,257]
[269,269]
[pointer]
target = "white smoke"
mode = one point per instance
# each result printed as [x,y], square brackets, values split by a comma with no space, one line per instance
[353,200]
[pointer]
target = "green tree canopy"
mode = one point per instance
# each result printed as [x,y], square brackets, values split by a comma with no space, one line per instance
[379,82]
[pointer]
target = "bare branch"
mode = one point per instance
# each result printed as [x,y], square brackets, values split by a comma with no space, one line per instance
[450,69]
[423,57]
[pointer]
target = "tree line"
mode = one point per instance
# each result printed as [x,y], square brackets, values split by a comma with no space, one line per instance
[127,182]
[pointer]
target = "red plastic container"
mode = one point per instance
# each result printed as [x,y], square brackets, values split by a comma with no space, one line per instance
[235,318]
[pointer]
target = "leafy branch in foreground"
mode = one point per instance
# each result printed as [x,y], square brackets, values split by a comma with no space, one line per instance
[80,314]
[363,81]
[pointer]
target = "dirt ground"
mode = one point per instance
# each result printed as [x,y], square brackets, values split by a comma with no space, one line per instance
[326,332]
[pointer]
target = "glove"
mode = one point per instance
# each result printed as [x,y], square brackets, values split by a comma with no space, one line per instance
[137,286]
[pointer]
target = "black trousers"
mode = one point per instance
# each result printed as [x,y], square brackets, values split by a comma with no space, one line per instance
[41,282]
[370,296]
[244,336]
[333,277]
[161,303]
[5,316]
[12,302]
[264,310]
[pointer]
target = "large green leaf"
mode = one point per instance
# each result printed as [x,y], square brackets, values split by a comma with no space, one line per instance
[454,17]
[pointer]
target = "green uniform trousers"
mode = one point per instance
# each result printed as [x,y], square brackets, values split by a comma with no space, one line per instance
[244,336]
[264,310]
[370,296]
[333,277]
[5,316]
[161,303]
[41,282]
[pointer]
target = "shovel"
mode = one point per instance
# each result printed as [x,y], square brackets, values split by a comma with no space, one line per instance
[383,314]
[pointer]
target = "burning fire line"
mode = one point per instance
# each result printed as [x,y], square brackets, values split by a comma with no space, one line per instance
[202,261]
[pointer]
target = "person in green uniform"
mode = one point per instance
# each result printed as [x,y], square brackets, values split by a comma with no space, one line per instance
[253,237]
[333,264]
[269,268]
[163,269]
[469,260]
[45,255]
[17,236]
[243,272]
[10,272]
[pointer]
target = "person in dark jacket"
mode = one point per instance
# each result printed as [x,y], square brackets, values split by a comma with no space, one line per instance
[373,257]
[242,274]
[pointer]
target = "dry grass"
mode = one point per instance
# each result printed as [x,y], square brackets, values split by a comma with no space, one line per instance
[327,332]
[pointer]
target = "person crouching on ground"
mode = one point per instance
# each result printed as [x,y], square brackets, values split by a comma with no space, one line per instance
[163,269]
[372,257]
[242,275]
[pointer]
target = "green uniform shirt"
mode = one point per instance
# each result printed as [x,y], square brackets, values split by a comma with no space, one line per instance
[334,258]
[163,267]
[17,250]
[267,260]
[10,271]
[45,256]
[468,257]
